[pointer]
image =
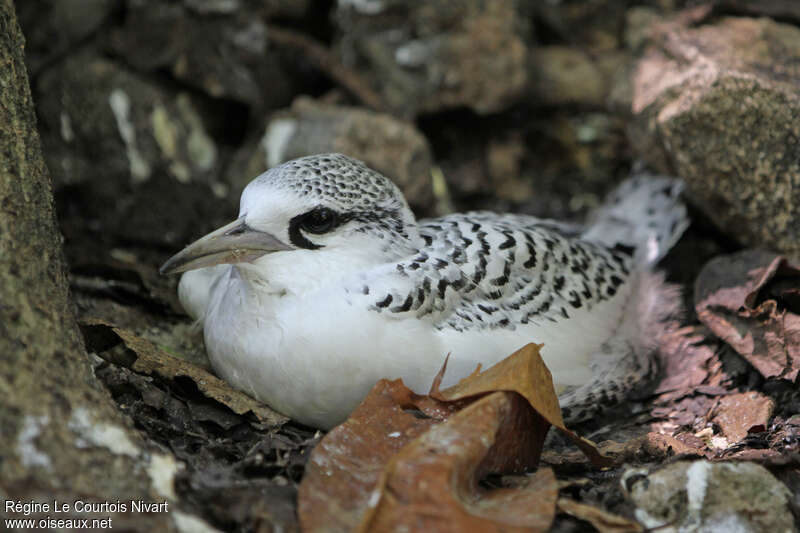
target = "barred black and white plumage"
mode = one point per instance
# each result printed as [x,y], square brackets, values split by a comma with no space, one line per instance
[311,322]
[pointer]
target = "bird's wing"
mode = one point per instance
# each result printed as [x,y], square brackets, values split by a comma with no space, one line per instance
[483,270]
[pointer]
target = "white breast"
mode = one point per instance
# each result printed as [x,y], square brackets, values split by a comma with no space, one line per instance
[313,358]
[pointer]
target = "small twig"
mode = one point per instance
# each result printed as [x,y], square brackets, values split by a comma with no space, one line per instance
[324,60]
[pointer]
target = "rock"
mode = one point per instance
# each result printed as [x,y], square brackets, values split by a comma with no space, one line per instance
[710,497]
[392,147]
[569,76]
[103,120]
[285,9]
[116,142]
[589,147]
[561,75]
[718,105]
[53,27]
[596,25]
[429,56]
[552,165]
[619,67]
[222,52]
[638,23]
[786,10]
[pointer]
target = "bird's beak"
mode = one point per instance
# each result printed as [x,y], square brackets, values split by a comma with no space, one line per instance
[233,243]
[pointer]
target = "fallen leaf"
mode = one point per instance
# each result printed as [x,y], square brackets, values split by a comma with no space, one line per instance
[344,469]
[650,447]
[430,484]
[696,369]
[691,441]
[603,521]
[733,297]
[738,413]
[403,460]
[525,373]
[684,363]
[764,456]
[146,358]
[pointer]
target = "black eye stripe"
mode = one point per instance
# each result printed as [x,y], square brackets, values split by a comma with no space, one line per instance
[304,224]
[317,221]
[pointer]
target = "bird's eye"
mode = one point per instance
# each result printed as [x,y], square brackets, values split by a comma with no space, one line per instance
[319,220]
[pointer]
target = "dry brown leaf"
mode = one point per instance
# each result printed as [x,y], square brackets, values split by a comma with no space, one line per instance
[525,373]
[407,460]
[741,298]
[430,485]
[149,360]
[684,363]
[738,413]
[650,447]
[603,521]
[344,470]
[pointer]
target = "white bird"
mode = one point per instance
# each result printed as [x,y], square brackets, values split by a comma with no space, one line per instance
[327,283]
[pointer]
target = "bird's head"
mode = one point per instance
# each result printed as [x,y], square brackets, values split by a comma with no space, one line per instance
[321,203]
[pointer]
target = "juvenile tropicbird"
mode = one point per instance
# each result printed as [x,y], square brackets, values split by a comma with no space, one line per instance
[326,283]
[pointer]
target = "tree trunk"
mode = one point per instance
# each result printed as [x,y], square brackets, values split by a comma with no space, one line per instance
[61,435]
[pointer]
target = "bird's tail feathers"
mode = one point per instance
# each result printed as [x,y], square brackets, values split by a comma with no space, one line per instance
[644,212]
[625,363]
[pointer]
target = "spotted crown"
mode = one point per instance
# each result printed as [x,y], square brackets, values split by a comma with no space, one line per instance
[343,181]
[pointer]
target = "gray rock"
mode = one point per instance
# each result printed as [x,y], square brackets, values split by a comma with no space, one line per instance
[597,24]
[101,120]
[53,27]
[121,142]
[429,56]
[389,145]
[707,497]
[219,47]
[262,8]
[562,75]
[719,105]
[638,24]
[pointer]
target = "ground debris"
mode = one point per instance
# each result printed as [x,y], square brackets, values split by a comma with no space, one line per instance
[603,521]
[741,414]
[748,299]
[240,462]
[148,359]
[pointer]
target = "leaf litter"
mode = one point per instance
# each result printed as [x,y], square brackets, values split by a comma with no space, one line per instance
[148,359]
[729,386]
[240,462]
[750,300]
